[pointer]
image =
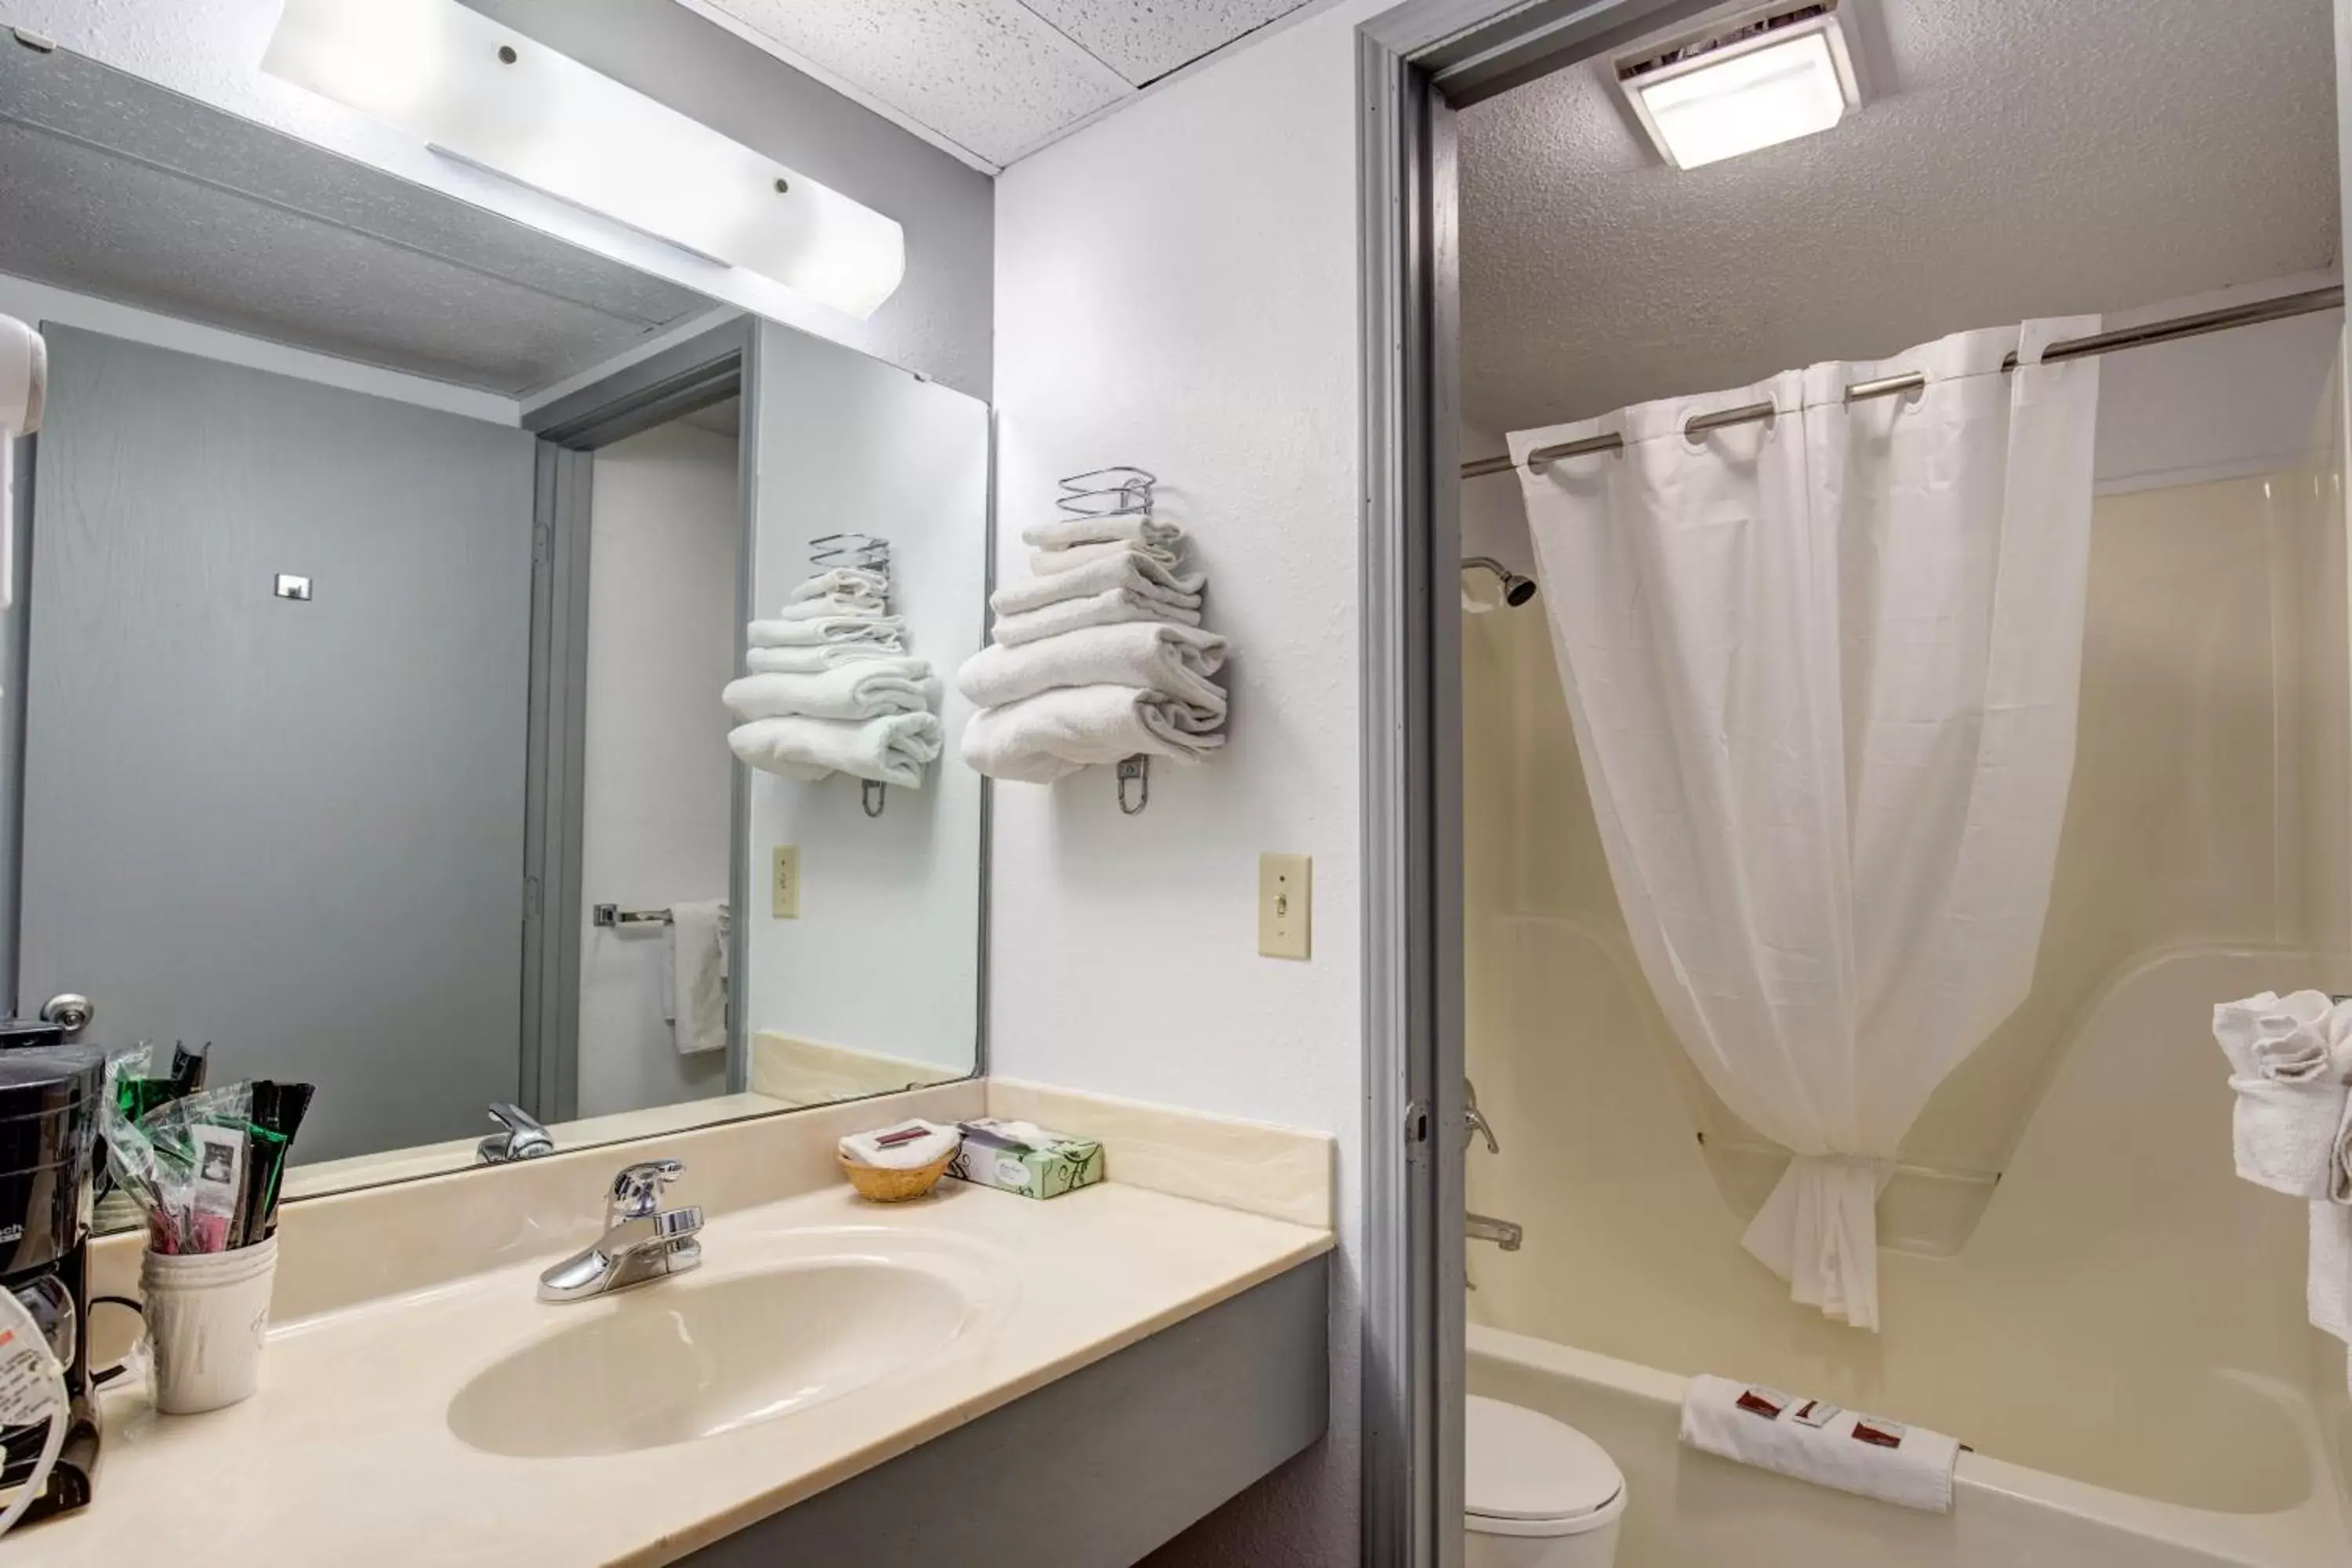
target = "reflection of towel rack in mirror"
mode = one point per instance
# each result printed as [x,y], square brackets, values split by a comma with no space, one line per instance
[1120,491]
[867,551]
[614,915]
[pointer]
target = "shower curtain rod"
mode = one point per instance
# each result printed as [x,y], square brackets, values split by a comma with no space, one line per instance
[2276,309]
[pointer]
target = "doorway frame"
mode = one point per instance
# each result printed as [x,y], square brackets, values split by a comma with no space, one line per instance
[708,368]
[1416,66]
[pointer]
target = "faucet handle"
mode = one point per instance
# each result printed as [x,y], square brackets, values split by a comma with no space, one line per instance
[636,1189]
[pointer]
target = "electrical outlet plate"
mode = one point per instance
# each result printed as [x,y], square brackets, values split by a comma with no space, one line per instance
[785,883]
[1285,905]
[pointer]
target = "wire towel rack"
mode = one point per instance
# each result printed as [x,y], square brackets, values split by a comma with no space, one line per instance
[1120,491]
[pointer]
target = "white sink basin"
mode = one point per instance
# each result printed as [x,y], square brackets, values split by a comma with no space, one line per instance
[705,1353]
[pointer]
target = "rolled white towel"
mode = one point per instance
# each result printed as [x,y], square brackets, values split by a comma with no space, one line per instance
[856,583]
[883,631]
[1054,733]
[894,750]
[2251,1032]
[1813,1440]
[811,657]
[1128,571]
[1070,557]
[1172,661]
[2339,1160]
[2291,1057]
[1108,608]
[1062,533]
[865,690]
[2327,1284]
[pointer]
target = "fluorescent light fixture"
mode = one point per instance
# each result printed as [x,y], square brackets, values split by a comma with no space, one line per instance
[489,96]
[1754,81]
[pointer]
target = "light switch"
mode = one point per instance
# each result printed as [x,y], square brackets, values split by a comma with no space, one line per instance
[784,885]
[1285,905]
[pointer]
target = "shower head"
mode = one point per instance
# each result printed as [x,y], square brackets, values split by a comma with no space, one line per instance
[1517,590]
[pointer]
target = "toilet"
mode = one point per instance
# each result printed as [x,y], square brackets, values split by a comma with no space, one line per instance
[1536,1493]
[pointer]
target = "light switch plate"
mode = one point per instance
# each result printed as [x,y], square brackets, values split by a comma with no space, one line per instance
[785,883]
[1285,905]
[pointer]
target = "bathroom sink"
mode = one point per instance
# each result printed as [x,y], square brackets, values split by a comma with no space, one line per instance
[700,1355]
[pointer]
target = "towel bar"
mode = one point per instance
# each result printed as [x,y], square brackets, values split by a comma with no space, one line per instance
[614,915]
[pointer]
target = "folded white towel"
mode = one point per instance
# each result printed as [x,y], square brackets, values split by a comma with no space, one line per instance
[865,690]
[1108,608]
[829,606]
[855,583]
[882,631]
[2294,1055]
[694,977]
[812,658]
[1814,1441]
[2339,1160]
[2328,1289]
[1135,575]
[1062,533]
[1054,733]
[892,750]
[1171,660]
[1070,557]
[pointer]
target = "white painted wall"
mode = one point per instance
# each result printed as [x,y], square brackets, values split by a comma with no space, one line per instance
[936,322]
[1175,289]
[885,956]
[664,528]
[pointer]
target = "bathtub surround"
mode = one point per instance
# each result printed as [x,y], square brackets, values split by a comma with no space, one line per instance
[1822,670]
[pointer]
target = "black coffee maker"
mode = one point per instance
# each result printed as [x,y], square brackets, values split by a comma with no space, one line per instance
[49,1099]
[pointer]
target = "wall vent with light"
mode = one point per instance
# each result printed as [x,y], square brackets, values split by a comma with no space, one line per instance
[1747,82]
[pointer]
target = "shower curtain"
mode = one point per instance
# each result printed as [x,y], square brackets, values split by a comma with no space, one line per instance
[1822,671]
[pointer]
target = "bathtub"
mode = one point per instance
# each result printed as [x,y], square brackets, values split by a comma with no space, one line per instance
[1688,1510]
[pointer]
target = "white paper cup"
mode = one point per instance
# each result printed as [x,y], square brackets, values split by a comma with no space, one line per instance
[206,1315]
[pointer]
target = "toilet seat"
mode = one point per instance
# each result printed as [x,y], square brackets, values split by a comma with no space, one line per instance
[1524,1473]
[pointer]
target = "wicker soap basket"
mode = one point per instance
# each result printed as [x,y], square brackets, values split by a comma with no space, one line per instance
[873,1161]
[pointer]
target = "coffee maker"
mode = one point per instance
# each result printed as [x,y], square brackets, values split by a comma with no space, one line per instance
[49,1150]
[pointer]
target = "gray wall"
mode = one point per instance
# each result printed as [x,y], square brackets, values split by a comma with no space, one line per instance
[939,323]
[294,829]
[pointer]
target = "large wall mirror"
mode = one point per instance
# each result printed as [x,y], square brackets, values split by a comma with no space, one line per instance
[380,564]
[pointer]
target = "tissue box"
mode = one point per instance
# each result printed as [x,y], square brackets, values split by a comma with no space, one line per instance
[1022,1157]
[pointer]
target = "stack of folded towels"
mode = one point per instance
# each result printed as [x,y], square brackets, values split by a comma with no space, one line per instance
[1099,655]
[2290,1066]
[833,689]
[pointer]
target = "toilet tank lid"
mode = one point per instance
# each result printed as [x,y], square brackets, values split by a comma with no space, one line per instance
[1519,1463]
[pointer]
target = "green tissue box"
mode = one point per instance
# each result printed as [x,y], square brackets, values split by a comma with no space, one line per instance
[1022,1157]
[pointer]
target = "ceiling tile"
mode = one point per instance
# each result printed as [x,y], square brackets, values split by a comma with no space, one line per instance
[990,75]
[1145,39]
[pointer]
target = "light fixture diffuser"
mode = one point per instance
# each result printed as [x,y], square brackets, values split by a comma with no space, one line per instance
[1753,82]
[489,96]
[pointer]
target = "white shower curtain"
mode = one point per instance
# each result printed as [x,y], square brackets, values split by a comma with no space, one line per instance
[1823,672]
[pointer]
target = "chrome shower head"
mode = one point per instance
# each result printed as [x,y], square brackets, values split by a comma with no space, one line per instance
[1517,590]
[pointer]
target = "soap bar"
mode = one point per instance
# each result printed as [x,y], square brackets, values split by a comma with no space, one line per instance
[1022,1157]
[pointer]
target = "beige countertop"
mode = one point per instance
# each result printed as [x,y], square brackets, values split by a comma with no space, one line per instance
[346,1454]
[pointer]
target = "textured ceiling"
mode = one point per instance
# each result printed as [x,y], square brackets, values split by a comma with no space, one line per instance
[995,79]
[2015,160]
[115,187]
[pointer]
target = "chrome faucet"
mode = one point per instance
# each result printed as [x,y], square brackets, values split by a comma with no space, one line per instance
[642,1240]
[522,1137]
[1501,1232]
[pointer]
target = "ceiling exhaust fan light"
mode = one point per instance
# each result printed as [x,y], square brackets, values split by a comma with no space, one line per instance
[1757,92]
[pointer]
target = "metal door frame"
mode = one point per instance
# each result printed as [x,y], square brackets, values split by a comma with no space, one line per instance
[1415,66]
[706,369]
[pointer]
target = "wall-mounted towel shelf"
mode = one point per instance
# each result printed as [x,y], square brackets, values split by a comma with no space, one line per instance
[614,915]
[1120,491]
